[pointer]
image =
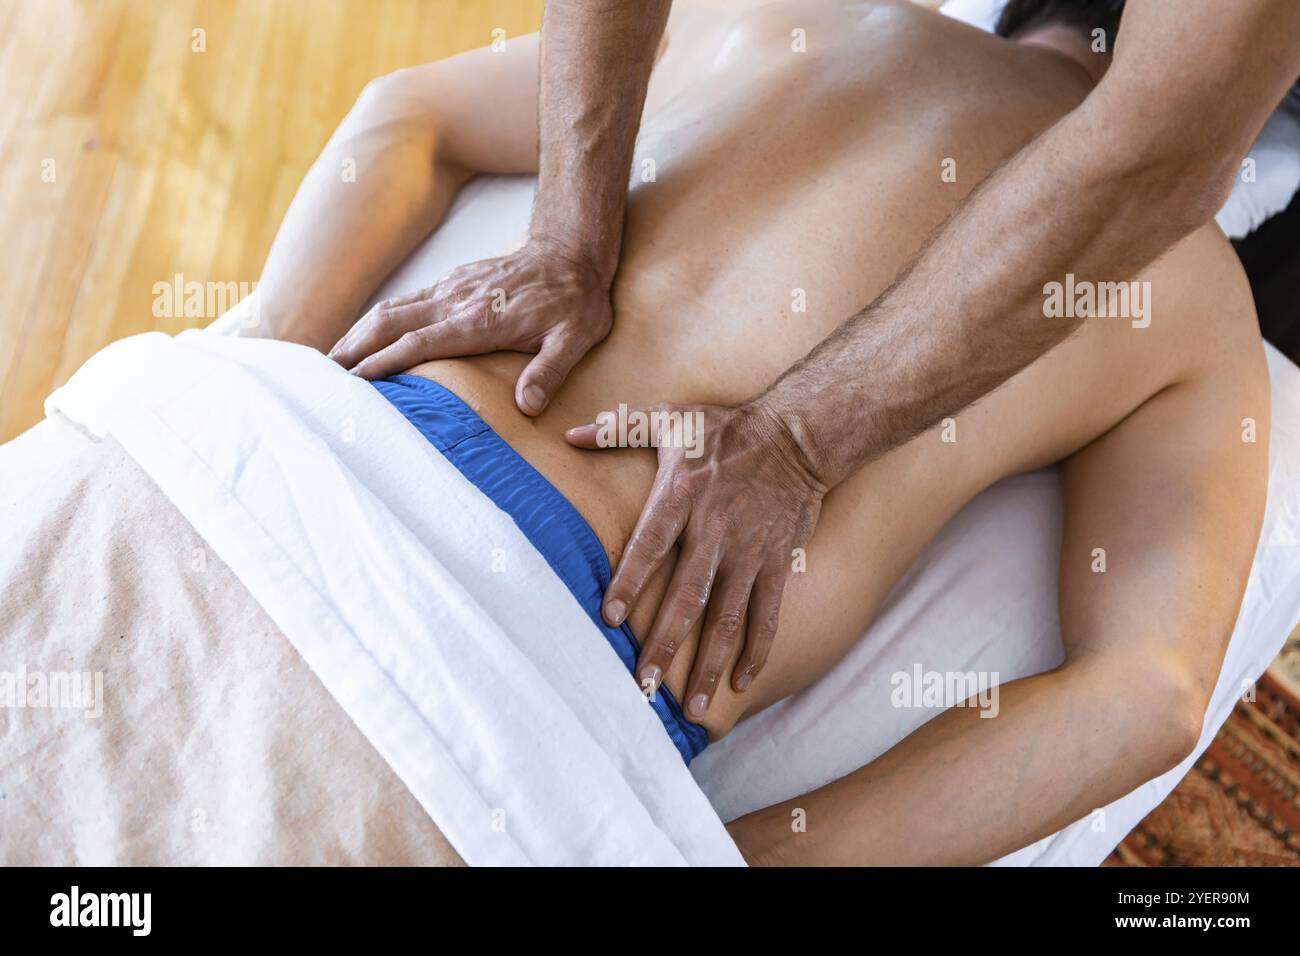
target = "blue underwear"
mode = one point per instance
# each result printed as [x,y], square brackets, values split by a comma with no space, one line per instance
[548,521]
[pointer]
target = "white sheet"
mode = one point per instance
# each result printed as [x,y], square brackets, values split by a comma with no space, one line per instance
[954,610]
[376,559]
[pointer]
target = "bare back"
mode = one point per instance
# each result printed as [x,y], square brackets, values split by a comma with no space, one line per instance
[779,176]
[768,178]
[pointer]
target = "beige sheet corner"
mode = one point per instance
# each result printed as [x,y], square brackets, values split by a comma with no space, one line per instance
[216,745]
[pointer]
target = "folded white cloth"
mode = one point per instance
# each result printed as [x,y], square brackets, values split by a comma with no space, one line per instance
[420,605]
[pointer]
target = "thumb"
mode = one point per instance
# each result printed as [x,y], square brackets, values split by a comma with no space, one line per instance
[543,376]
[596,434]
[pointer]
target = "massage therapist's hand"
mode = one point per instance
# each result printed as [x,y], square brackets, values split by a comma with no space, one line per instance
[532,300]
[734,490]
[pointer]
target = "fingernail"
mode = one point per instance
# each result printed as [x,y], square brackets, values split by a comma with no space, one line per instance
[699,705]
[744,680]
[534,398]
[650,677]
[615,611]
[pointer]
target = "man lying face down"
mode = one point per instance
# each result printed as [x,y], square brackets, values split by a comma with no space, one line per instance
[802,157]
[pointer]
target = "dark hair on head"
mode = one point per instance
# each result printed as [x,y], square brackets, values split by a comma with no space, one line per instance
[1085,15]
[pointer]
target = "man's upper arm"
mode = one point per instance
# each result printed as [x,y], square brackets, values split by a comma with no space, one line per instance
[1193,82]
[484,103]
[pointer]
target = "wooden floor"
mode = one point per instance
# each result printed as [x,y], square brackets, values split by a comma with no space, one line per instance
[130,155]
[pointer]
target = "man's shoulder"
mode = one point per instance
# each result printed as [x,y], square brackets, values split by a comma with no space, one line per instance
[1201,274]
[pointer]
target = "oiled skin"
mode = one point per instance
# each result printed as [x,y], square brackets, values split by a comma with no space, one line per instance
[820,171]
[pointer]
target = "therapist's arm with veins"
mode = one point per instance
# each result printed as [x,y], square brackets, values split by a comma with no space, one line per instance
[552,296]
[1144,161]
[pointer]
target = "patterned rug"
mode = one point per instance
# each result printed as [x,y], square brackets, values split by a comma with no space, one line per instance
[1240,804]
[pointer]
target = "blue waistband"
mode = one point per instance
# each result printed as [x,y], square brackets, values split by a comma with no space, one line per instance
[548,521]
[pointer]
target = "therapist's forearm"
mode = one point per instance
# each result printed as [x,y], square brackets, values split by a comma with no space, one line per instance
[596,57]
[1145,160]
[969,314]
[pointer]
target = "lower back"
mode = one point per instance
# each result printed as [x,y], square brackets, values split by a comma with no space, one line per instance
[788,189]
